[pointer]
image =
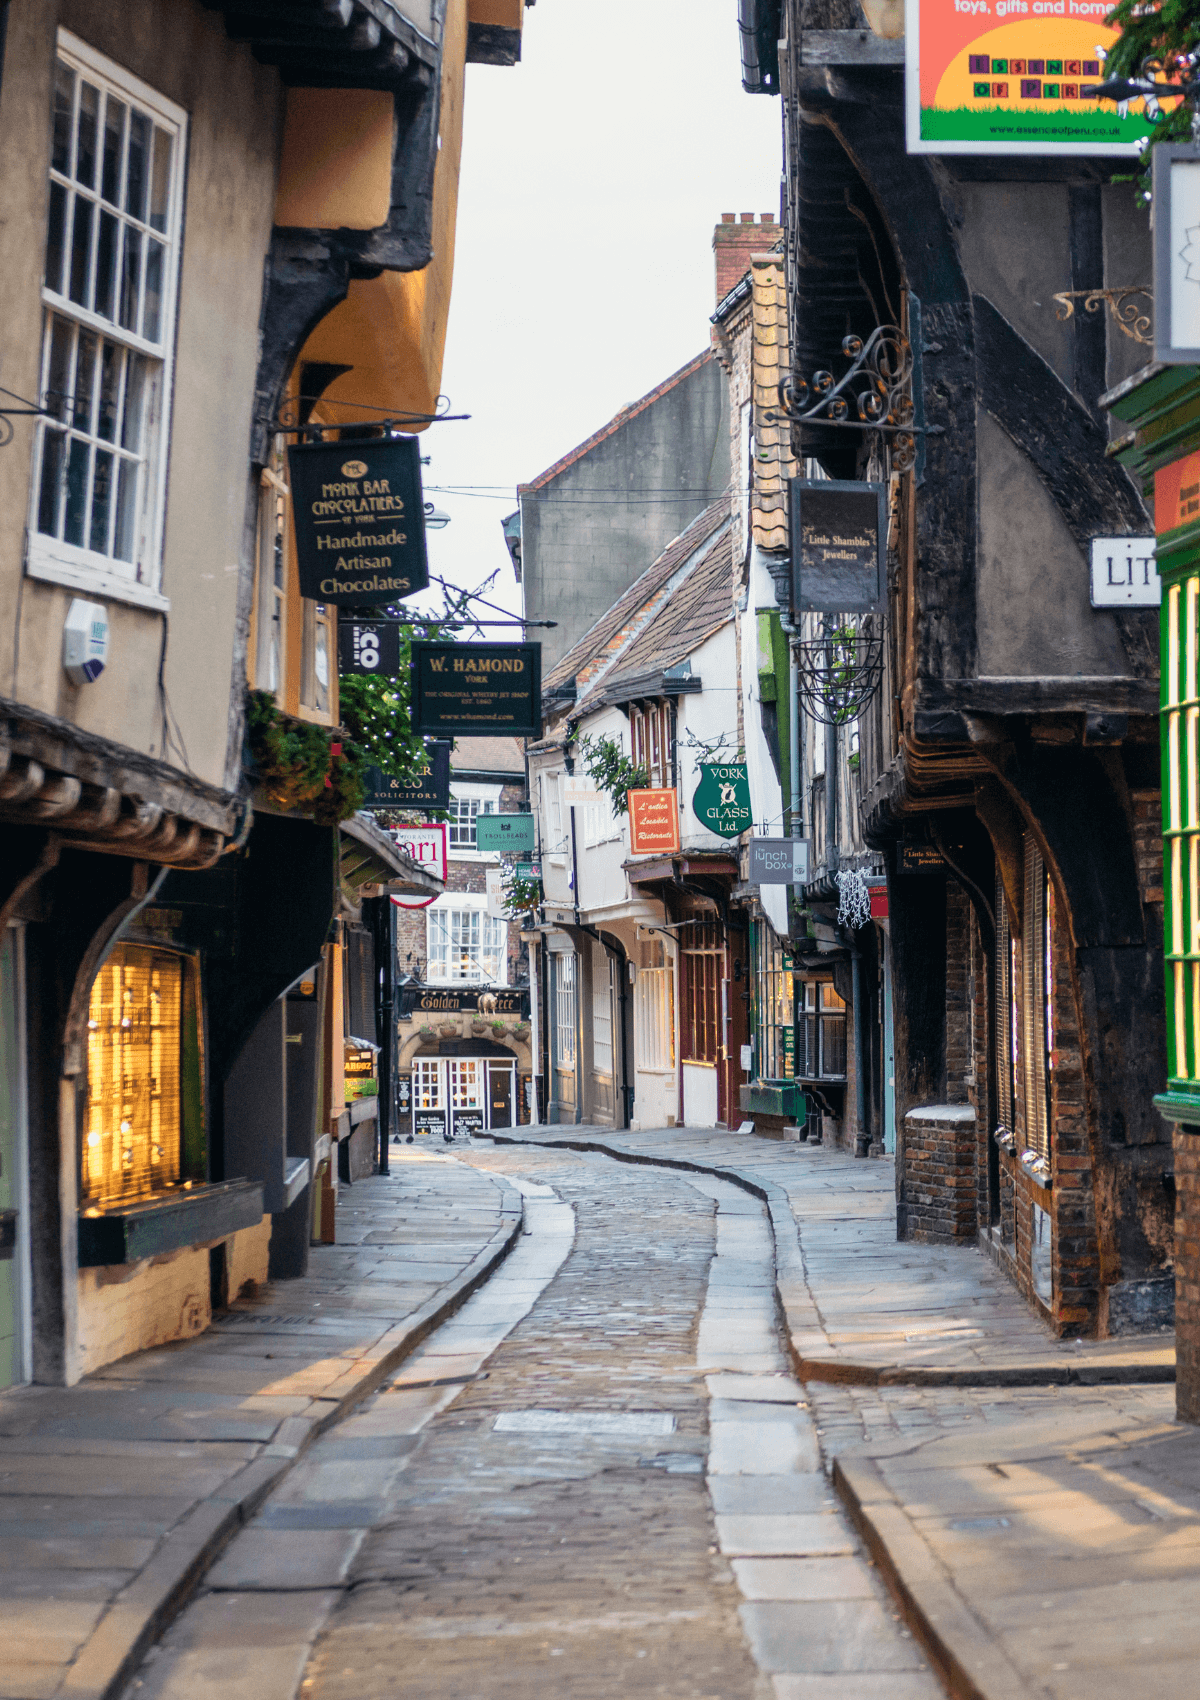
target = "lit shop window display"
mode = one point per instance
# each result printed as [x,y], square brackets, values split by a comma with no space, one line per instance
[132,1146]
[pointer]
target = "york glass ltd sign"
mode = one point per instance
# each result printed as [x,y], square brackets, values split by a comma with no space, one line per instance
[839,543]
[360,519]
[721,801]
[477,689]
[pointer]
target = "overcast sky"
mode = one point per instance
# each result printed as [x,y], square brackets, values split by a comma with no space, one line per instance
[593,174]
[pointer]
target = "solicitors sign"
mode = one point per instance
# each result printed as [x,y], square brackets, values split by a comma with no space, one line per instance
[360,519]
[429,788]
[477,689]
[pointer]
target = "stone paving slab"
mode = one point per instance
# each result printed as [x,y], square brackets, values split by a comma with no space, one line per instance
[116,1495]
[862,1308]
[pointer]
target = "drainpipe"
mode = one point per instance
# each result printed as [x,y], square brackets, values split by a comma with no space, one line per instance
[831,799]
[861,1140]
[569,765]
[794,741]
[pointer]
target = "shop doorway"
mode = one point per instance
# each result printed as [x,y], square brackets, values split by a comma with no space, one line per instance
[455,1097]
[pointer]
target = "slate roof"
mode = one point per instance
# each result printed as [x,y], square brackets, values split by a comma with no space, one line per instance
[613,426]
[701,605]
[488,755]
[603,642]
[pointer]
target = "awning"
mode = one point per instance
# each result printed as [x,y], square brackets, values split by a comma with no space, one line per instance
[370,864]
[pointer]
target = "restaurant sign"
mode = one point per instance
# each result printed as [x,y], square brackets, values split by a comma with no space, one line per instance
[427,789]
[653,822]
[777,861]
[721,801]
[426,845]
[360,519]
[477,689]
[839,545]
[455,1000]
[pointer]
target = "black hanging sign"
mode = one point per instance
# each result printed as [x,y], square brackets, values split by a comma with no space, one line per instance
[429,790]
[839,546]
[373,648]
[416,999]
[477,689]
[360,519]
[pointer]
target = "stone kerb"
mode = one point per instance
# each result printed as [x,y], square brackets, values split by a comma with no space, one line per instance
[939,1173]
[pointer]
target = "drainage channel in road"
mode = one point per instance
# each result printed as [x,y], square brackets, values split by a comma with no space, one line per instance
[816,1615]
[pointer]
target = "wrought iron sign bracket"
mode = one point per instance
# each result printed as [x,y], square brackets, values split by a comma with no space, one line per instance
[878,383]
[1121,304]
[27,410]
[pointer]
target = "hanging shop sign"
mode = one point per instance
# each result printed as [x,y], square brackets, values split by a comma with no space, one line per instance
[920,859]
[370,647]
[360,519]
[839,545]
[777,861]
[1124,574]
[505,835]
[426,845]
[1177,494]
[721,801]
[429,789]
[1013,77]
[494,886]
[477,689]
[457,1000]
[528,870]
[653,822]
[1177,253]
[578,795]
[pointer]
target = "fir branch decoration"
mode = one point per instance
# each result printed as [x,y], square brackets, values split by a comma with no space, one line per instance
[612,771]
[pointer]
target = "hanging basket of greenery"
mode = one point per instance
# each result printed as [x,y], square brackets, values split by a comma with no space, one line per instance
[301,768]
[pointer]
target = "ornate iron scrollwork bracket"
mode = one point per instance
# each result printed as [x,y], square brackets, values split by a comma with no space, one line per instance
[1121,304]
[878,384]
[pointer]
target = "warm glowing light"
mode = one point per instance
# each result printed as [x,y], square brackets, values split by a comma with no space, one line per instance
[93,1140]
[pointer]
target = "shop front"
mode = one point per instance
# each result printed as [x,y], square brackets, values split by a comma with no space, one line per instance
[466,1066]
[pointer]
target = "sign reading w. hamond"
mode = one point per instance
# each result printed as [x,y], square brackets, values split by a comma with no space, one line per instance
[477,689]
[360,519]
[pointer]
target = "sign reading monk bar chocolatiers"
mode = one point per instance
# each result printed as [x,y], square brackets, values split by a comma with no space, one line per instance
[839,545]
[477,689]
[360,519]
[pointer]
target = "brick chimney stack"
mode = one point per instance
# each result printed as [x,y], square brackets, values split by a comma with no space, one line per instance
[734,240]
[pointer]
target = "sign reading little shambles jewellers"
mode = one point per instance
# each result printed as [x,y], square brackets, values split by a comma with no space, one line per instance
[477,689]
[360,519]
[839,544]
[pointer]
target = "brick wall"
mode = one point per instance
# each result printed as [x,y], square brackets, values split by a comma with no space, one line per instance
[1076,1253]
[939,1173]
[1187,1276]
[960,1057]
[735,240]
[129,1308]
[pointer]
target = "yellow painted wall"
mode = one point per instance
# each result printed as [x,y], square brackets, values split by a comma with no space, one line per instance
[506,14]
[392,329]
[335,171]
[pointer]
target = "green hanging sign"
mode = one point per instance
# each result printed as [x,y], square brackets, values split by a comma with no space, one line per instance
[721,801]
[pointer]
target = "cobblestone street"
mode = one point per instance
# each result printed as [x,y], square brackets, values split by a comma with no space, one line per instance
[596,1480]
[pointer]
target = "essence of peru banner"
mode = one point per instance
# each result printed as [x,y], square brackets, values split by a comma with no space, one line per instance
[1013,76]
